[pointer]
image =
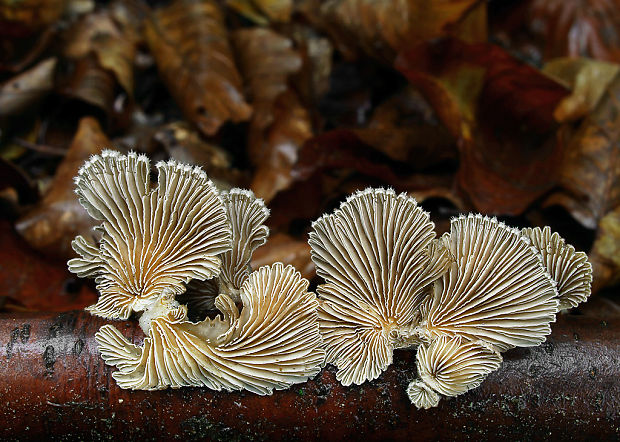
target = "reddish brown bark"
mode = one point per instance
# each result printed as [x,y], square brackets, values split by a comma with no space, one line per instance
[53,383]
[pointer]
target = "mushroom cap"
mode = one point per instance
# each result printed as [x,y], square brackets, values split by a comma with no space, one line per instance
[454,365]
[274,342]
[497,290]
[376,255]
[152,239]
[421,395]
[570,269]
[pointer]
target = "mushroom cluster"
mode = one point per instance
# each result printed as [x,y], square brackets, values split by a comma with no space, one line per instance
[153,242]
[175,251]
[462,299]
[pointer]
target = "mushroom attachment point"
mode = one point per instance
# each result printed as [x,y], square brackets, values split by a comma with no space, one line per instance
[272,344]
[377,256]
[570,269]
[152,240]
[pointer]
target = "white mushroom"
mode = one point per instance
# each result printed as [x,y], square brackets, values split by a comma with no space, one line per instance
[451,366]
[570,269]
[247,215]
[496,290]
[274,342]
[153,240]
[377,256]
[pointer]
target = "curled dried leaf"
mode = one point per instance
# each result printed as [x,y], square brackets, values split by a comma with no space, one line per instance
[375,255]
[263,11]
[570,269]
[497,290]
[26,89]
[153,240]
[273,343]
[190,44]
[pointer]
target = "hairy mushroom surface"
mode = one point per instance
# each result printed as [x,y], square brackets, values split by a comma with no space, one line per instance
[377,256]
[246,215]
[570,269]
[152,240]
[497,290]
[273,343]
[451,366]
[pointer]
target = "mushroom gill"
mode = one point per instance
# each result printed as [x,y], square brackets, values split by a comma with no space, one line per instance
[377,257]
[274,342]
[246,215]
[570,269]
[451,366]
[497,290]
[152,240]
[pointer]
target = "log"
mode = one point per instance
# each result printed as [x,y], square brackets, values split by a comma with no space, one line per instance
[53,384]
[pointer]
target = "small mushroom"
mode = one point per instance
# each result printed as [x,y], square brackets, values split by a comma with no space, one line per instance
[451,366]
[497,290]
[570,269]
[377,256]
[152,240]
[247,215]
[274,342]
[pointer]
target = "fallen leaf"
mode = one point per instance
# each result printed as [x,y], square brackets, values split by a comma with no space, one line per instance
[58,218]
[287,250]
[91,83]
[313,80]
[24,90]
[263,12]
[501,112]
[381,29]
[588,80]
[32,14]
[190,44]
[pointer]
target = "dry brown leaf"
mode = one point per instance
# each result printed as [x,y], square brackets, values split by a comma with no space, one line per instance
[33,14]
[588,80]
[113,45]
[53,223]
[280,124]
[91,83]
[501,112]
[190,44]
[263,11]
[288,250]
[24,90]
[383,28]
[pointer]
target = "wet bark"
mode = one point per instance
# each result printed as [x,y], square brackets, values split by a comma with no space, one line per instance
[54,385]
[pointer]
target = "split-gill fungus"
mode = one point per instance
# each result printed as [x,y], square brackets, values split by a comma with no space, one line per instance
[389,283]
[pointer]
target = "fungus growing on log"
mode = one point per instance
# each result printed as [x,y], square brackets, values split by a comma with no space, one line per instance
[377,256]
[153,243]
[570,269]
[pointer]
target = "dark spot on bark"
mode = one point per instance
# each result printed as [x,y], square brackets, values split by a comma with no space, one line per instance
[12,342]
[72,286]
[54,329]
[24,335]
[49,359]
[200,428]
[77,347]
[592,372]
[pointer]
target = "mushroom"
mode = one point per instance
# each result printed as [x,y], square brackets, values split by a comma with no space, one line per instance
[450,366]
[570,269]
[152,240]
[274,342]
[247,215]
[377,256]
[497,290]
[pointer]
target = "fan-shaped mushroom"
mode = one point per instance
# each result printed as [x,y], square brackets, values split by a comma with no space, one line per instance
[153,240]
[451,366]
[570,269]
[246,215]
[377,256]
[496,290]
[274,342]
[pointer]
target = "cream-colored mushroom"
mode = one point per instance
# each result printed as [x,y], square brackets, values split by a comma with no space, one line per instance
[497,290]
[153,240]
[274,342]
[570,269]
[247,215]
[451,366]
[377,256]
